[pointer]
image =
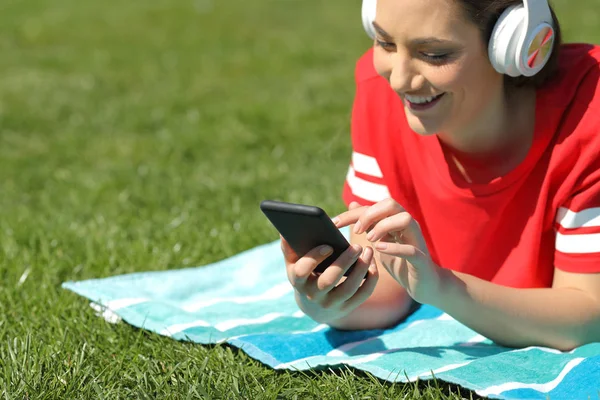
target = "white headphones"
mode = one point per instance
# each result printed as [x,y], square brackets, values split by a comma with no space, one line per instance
[521,42]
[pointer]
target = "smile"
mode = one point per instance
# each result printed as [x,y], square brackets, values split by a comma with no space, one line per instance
[419,103]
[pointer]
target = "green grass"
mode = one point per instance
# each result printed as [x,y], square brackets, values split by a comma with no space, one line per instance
[141,135]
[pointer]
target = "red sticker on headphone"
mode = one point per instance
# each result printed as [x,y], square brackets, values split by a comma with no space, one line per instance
[540,46]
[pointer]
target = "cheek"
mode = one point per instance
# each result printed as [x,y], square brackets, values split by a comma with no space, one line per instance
[476,81]
[381,62]
[454,77]
[470,79]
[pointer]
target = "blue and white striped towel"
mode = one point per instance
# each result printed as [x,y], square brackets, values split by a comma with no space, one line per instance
[247,302]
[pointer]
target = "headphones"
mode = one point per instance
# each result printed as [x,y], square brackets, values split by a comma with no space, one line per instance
[521,42]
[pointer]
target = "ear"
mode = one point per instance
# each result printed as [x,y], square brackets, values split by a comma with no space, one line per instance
[502,48]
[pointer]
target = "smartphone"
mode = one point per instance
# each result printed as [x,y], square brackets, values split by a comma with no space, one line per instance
[305,227]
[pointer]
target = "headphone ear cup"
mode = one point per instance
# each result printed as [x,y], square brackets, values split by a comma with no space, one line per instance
[369,11]
[504,42]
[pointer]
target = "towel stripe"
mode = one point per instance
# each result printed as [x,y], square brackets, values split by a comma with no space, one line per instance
[234,323]
[273,293]
[174,329]
[445,368]
[345,348]
[115,305]
[227,325]
[540,387]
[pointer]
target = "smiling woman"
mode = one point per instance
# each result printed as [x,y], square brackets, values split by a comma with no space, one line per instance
[474,183]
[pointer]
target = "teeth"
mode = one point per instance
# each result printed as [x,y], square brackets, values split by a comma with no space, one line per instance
[419,99]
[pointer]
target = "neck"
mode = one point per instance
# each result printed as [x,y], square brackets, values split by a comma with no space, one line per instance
[498,141]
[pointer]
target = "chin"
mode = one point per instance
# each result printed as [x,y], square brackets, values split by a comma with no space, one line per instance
[421,126]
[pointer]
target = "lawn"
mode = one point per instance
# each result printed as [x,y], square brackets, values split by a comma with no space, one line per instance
[141,135]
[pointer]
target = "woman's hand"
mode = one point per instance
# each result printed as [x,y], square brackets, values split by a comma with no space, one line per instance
[328,297]
[395,233]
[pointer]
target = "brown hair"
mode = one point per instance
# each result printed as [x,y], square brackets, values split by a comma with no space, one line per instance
[485,14]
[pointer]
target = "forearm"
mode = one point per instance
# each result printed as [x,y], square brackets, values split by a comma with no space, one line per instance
[388,304]
[375,314]
[559,318]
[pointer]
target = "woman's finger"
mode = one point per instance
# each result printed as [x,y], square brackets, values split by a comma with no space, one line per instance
[402,222]
[288,253]
[349,217]
[348,288]
[354,205]
[406,251]
[375,213]
[366,289]
[328,279]
[301,270]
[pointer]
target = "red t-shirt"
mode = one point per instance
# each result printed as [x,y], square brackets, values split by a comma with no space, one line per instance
[513,231]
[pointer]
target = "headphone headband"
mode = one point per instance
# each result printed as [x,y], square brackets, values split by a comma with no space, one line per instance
[369,10]
[521,41]
[538,11]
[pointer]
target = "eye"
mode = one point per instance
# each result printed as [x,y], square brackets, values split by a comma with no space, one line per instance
[387,46]
[434,58]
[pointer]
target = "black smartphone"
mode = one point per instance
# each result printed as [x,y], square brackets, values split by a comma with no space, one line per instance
[305,227]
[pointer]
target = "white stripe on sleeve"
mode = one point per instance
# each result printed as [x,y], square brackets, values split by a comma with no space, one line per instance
[578,244]
[583,219]
[366,190]
[366,165]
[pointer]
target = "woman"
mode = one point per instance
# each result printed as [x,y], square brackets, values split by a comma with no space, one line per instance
[475,180]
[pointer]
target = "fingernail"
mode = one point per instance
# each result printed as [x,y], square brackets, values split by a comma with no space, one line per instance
[355,250]
[357,227]
[335,221]
[381,245]
[370,236]
[325,250]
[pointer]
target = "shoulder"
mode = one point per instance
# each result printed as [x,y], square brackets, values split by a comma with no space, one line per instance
[573,96]
[571,109]
[577,81]
[375,103]
[369,83]
[374,98]
[364,69]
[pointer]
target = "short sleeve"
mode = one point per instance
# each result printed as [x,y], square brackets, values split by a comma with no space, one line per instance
[577,246]
[577,223]
[364,182]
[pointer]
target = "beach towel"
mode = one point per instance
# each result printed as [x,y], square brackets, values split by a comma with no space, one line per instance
[247,301]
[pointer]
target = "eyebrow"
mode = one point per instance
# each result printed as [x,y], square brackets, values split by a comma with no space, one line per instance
[418,41]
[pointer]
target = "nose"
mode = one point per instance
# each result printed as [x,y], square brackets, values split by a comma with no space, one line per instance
[403,74]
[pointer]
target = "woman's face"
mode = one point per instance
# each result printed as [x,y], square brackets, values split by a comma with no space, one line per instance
[434,58]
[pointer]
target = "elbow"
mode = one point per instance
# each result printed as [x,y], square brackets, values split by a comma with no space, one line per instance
[584,334]
[567,344]
[561,341]
[587,331]
[563,344]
